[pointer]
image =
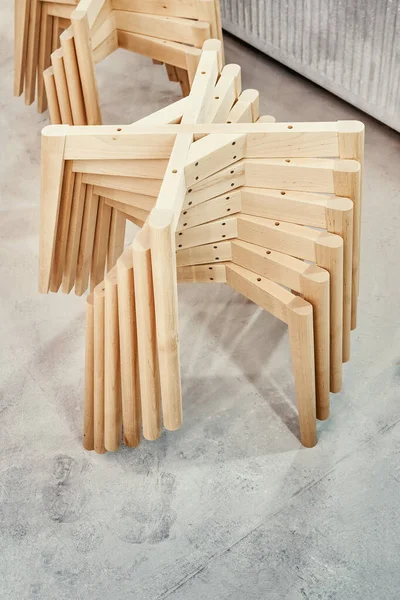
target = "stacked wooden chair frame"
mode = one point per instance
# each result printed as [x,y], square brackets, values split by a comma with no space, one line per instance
[221,196]
[59,42]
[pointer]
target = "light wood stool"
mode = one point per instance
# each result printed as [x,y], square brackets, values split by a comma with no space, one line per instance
[233,202]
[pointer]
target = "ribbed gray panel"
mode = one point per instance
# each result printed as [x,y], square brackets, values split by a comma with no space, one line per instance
[350,47]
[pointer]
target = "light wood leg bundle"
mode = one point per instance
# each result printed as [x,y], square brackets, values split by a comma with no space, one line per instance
[221,195]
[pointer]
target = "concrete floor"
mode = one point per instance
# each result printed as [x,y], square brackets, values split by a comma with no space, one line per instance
[231,506]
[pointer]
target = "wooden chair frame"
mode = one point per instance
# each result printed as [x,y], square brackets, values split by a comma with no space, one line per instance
[169,179]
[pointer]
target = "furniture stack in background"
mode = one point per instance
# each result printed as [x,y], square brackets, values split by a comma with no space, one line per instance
[58,43]
[219,199]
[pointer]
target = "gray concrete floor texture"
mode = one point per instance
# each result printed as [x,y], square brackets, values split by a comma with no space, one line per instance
[231,506]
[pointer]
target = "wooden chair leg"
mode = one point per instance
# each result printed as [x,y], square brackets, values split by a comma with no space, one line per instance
[98,362]
[219,27]
[74,235]
[146,337]
[21,33]
[86,67]
[163,262]
[55,36]
[315,287]
[88,410]
[341,223]
[116,238]
[51,94]
[44,56]
[351,146]
[131,417]
[57,62]
[112,371]
[32,51]
[329,251]
[300,322]
[172,73]
[64,215]
[73,78]
[87,241]
[100,244]
[52,170]
[183,79]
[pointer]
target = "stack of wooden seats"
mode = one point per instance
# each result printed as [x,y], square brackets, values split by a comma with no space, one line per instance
[59,42]
[221,196]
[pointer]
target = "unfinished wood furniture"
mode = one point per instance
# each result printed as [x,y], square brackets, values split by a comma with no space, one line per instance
[59,42]
[264,207]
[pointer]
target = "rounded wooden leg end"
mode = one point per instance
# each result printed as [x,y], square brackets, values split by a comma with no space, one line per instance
[173,426]
[151,437]
[336,385]
[309,440]
[323,413]
[112,447]
[88,443]
[131,441]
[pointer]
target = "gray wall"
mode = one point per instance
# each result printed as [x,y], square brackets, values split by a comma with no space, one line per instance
[351,47]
